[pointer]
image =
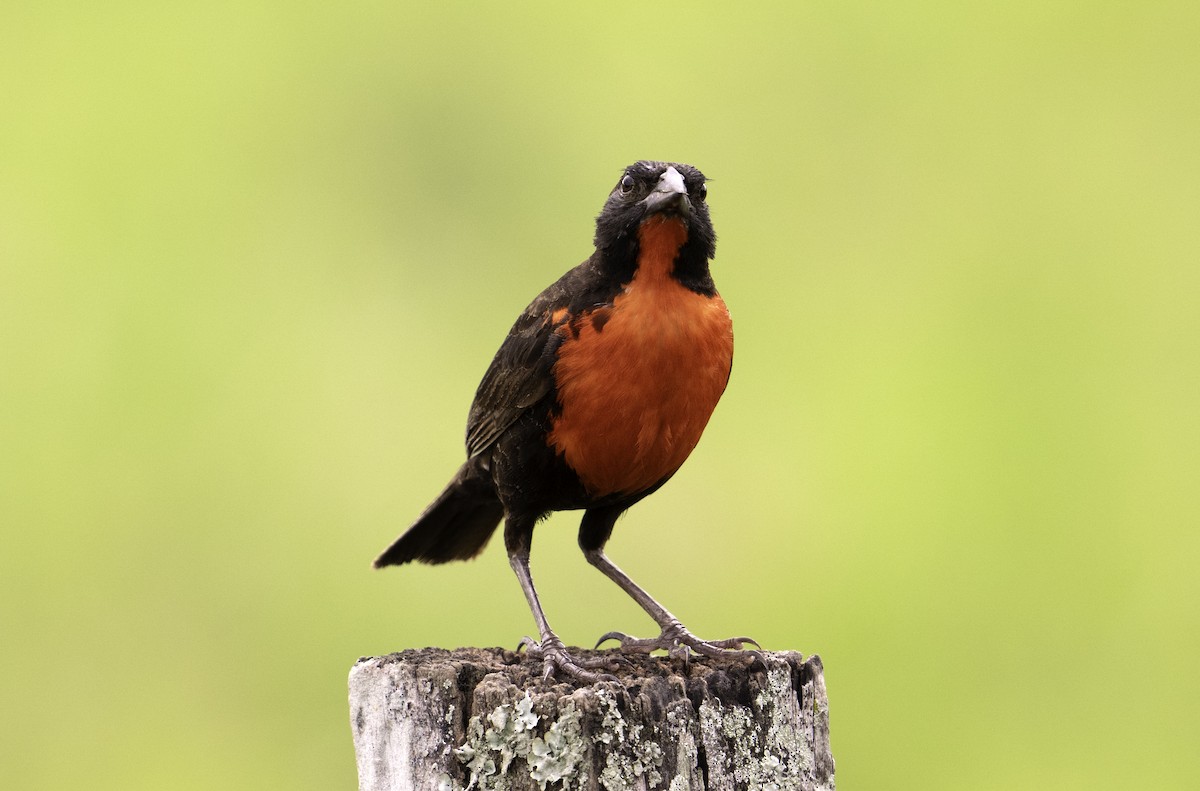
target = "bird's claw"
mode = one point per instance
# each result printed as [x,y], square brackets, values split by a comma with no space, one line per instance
[620,637]
[555,660]
[679,643]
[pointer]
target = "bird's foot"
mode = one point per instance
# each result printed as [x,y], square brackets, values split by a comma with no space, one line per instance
[556,660]
[679,643]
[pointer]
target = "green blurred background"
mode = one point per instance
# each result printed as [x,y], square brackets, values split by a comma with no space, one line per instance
[255,256]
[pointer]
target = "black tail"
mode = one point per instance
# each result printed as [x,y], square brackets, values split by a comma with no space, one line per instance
[456,526]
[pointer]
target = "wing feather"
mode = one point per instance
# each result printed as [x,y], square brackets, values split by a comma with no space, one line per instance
[522,372]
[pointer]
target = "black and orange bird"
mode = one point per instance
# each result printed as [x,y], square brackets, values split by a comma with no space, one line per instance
[594,400]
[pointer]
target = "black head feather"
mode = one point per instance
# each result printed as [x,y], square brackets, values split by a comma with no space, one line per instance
[627,206]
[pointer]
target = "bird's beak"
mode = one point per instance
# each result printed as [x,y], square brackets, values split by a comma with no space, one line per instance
[670,195]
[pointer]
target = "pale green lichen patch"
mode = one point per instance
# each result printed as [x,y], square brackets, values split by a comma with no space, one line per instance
[557,756]
[612,728]
[511,745]
[509,734]
[622,769]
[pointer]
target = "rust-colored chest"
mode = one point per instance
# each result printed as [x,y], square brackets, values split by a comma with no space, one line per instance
[638,380]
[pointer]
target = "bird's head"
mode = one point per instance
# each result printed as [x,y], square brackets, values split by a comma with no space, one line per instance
[660,190]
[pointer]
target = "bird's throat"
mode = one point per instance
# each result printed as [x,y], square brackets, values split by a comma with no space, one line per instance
[659,238]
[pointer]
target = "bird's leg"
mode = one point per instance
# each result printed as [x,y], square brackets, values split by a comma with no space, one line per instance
[674,639]
[549,648]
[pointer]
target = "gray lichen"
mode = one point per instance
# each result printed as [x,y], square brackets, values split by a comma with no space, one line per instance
[680,733]
[763,745]
[629,757]
[488,722]
[557,756]
[511,735]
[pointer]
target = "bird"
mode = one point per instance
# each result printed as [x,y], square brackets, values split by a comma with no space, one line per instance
[595,399]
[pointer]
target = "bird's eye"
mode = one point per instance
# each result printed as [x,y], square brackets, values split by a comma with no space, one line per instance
[702,191]
[627,185]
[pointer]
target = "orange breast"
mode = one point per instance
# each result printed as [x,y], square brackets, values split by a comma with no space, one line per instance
[639,382]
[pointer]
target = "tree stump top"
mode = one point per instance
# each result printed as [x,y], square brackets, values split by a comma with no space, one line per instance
[480,718]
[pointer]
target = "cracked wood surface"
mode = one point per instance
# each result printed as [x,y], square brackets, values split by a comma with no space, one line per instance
[478,718]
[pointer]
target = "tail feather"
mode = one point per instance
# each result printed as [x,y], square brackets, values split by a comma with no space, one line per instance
[455,526]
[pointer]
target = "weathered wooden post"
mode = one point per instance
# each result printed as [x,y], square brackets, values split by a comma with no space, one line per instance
[483,719]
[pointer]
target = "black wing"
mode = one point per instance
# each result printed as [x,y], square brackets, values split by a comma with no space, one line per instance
[521,374]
